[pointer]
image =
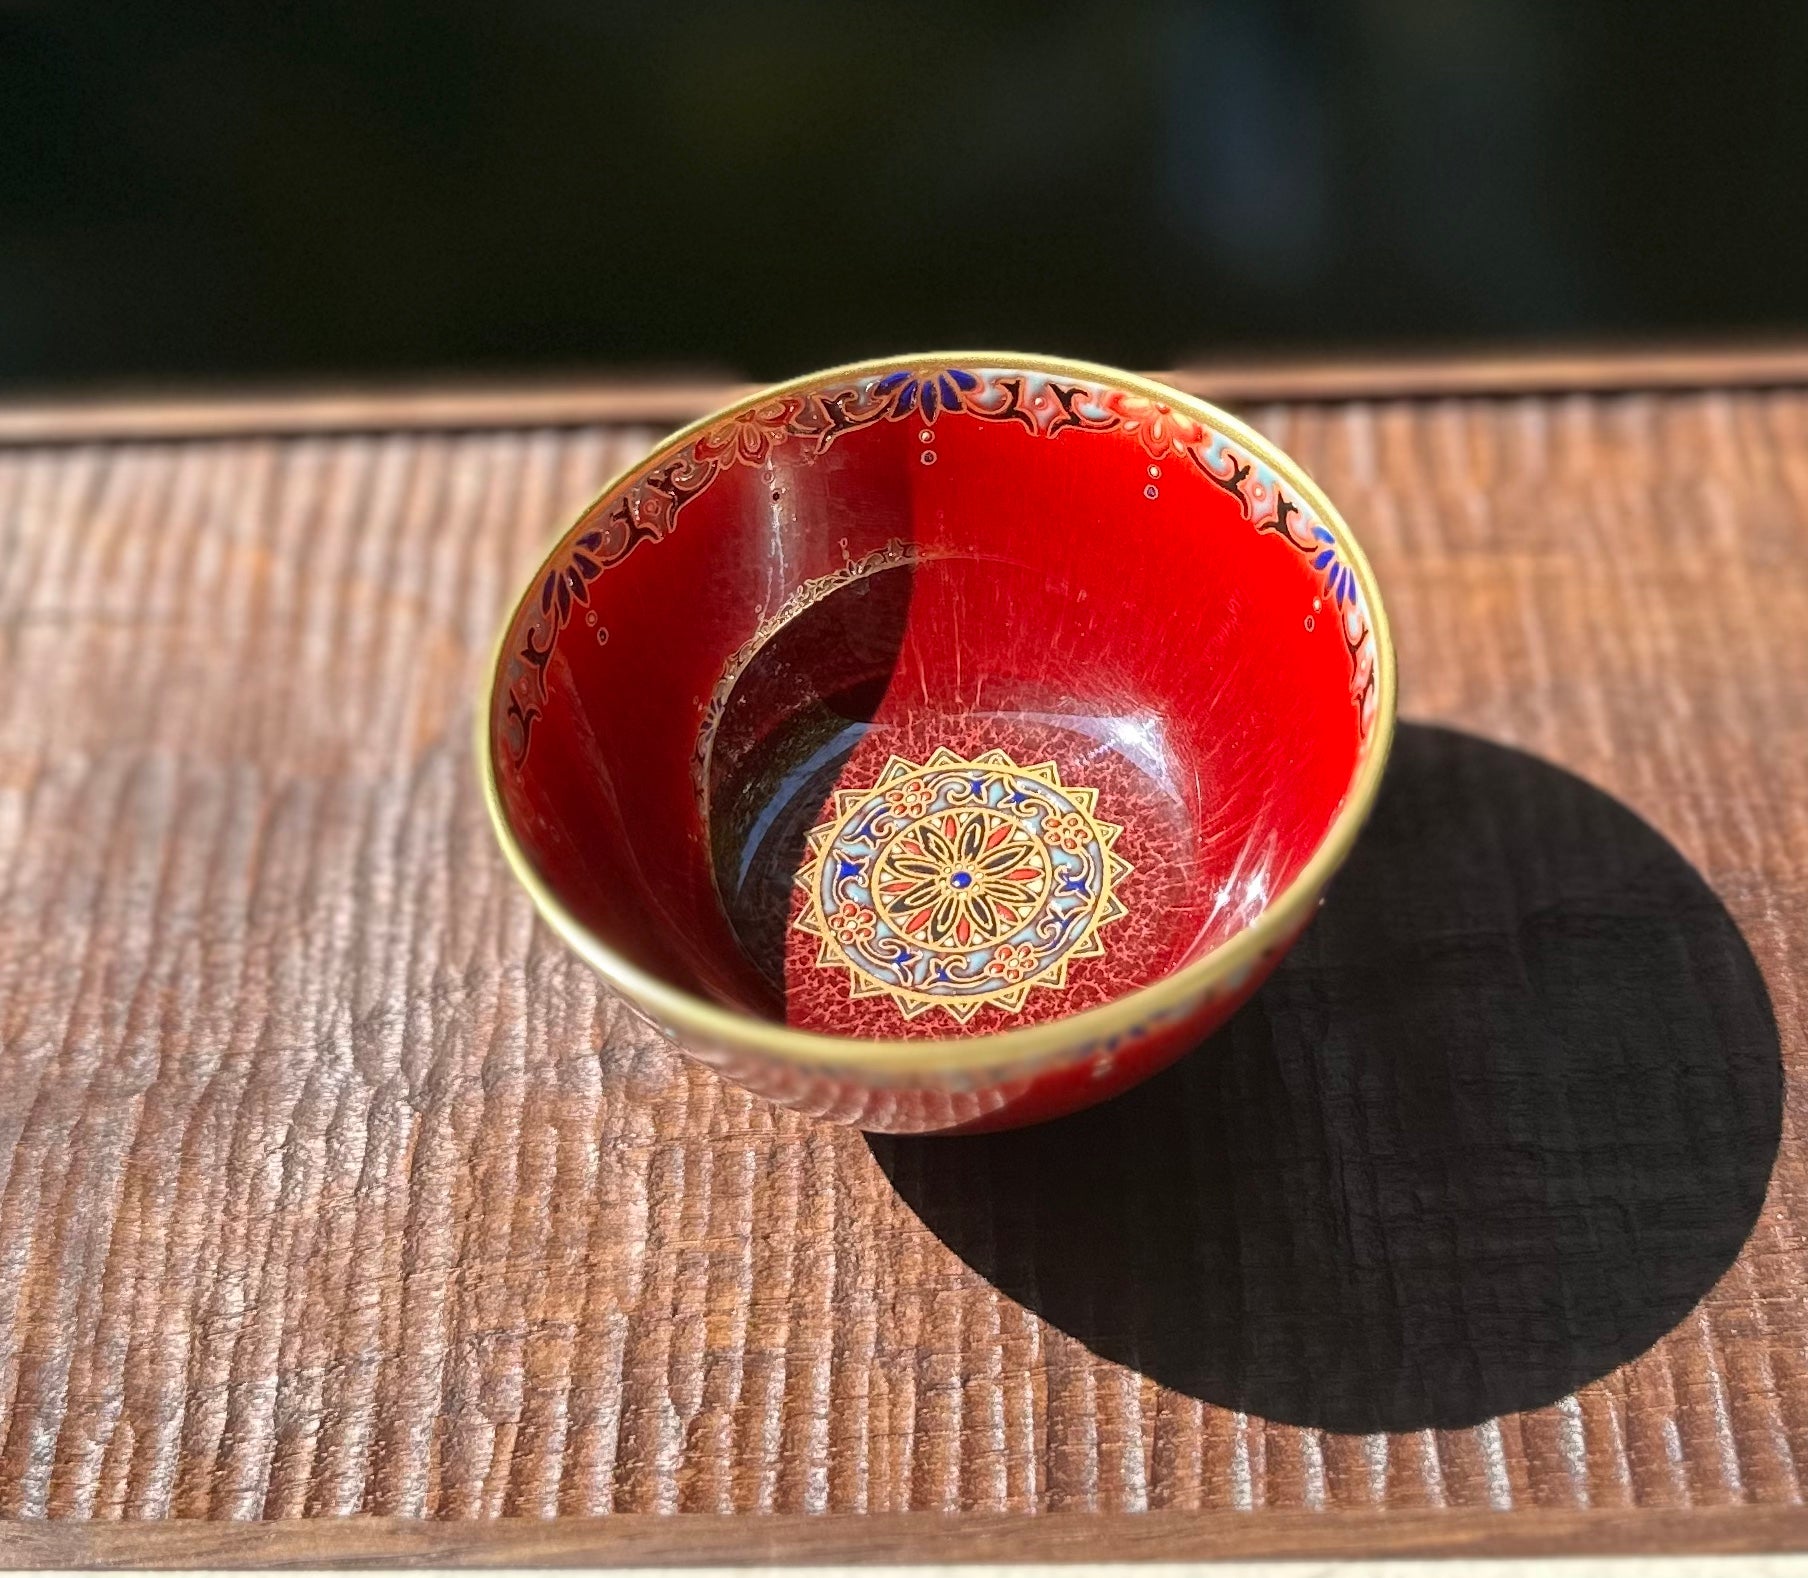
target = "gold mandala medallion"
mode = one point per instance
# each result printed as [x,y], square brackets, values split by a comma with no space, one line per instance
[958,884]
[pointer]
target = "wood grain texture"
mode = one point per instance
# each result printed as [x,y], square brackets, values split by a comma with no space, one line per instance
[330,1184]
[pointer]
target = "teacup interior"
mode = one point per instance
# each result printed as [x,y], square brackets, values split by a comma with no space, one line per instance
[934,701]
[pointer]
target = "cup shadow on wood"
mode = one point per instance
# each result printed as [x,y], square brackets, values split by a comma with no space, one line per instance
[1497,1123]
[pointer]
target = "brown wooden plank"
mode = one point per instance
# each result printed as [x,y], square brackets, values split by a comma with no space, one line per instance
[454,406]
[634,1540]
[318,1197]
[435,407]
[1781,362]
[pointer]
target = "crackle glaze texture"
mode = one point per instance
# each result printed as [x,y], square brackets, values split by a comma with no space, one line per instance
[331,1183]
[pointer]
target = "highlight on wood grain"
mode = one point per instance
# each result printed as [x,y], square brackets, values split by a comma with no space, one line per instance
[813,1543]
[670,402]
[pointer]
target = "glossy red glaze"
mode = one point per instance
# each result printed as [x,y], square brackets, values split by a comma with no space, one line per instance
[793,600]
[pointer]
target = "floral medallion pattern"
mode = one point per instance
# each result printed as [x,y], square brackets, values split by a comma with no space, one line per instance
[959,884]
[647,508]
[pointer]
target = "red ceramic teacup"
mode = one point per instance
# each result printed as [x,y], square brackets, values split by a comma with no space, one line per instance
[941,743]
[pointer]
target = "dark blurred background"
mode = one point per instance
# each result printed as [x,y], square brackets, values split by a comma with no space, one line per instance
[288,192]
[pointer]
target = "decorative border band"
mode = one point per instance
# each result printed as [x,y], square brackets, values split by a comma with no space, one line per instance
[647,509]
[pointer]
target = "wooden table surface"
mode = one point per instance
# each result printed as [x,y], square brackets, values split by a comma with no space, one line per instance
[331,1184]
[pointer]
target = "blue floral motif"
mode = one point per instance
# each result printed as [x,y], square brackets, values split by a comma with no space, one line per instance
[1340,579]
[929,393]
